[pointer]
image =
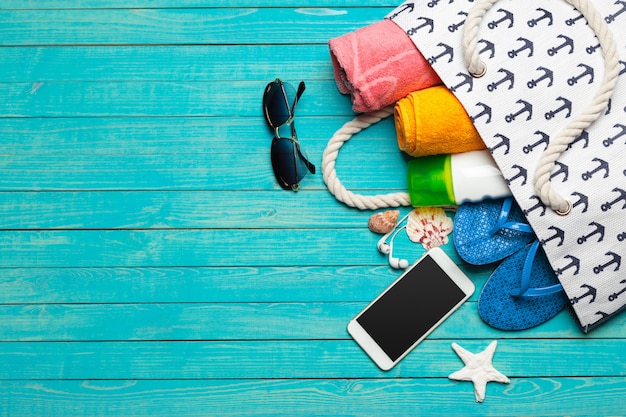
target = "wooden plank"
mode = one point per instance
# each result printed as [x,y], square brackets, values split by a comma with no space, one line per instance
[299,359]
[162,99]
[188,172]
[183,26]
[236,284]
[189,135]
[176,210]
[134,4]
[166,63]
[201,247]
[235,321]
[22,289]
[288,397]
[153,322]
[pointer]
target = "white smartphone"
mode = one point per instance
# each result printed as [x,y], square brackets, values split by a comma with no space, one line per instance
[410,308]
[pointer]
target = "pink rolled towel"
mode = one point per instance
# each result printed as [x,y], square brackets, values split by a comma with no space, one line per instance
[378,65]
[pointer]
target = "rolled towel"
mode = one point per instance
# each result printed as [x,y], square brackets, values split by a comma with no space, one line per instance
[432,122]
[378,65]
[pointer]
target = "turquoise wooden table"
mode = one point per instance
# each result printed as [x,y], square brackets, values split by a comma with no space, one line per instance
[151,266]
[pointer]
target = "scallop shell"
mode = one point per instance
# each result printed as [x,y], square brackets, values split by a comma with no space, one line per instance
[383,222]
[429,226]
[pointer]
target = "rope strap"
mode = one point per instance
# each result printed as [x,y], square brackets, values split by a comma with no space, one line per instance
[477,68]
[329,173]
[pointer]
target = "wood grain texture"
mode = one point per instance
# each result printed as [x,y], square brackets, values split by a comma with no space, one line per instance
[165,63]
[211,284]
[323,358]
[184,26]
[190,135]
[151,266]
[205,320]
[288,397]
[143,4]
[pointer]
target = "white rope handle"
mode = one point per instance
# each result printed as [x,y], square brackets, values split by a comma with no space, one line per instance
[329,173]
[574,128]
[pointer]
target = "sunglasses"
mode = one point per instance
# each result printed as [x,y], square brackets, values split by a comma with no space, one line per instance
[289,163]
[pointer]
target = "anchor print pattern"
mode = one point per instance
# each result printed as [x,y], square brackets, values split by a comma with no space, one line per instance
[544,65]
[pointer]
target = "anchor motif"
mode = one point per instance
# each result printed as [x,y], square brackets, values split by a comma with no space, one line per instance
[609,141]
[622,197]
[547,75]
[527,108]
[584,135]
[614,296]
[562,170]
[582,199]
[545,139]
[489,46]
[611,18]
[527,45]
[574,263]
[599,230]
[506,142]
[427,23]
[485,112]
[558,234]
[447,50]
[603,316]
[508,76]
[592,49]
[552,96]
[521,173]
[591,292]
[507,16]
[467,79]
[567,42]
[587,72]
[567,106]
[538,206]
[455,26]
[603,166]
[546,15]
[572,22]
[433,3]
[615,259]
[406,7]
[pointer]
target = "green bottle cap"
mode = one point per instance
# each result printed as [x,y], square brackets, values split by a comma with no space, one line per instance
[430,181]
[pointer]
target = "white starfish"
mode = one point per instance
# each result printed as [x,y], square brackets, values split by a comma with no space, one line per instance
[478,369]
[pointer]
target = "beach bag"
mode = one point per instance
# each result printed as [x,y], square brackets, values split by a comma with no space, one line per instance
[544,83]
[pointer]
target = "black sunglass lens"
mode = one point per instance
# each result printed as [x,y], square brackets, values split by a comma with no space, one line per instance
[288,167]
[276,103]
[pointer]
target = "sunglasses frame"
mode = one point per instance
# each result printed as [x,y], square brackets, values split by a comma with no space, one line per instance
[297,154]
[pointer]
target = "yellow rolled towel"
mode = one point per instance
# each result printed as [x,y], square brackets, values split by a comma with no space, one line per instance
[432,122]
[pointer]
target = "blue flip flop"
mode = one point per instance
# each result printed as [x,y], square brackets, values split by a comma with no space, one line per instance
[490,231]
[522,292]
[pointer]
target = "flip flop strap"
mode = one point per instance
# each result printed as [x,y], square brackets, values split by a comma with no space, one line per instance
[502,222]
[525,290]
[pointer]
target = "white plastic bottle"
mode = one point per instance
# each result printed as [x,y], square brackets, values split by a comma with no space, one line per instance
[441,180]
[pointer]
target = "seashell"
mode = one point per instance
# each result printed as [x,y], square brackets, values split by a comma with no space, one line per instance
[429,226]
[383,222]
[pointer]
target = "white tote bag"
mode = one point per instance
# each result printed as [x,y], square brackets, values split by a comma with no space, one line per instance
[551,108]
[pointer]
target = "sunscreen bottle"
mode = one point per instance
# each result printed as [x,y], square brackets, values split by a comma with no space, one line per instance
[441,180]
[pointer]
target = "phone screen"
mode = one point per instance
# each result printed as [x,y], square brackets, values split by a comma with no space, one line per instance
[403,314]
